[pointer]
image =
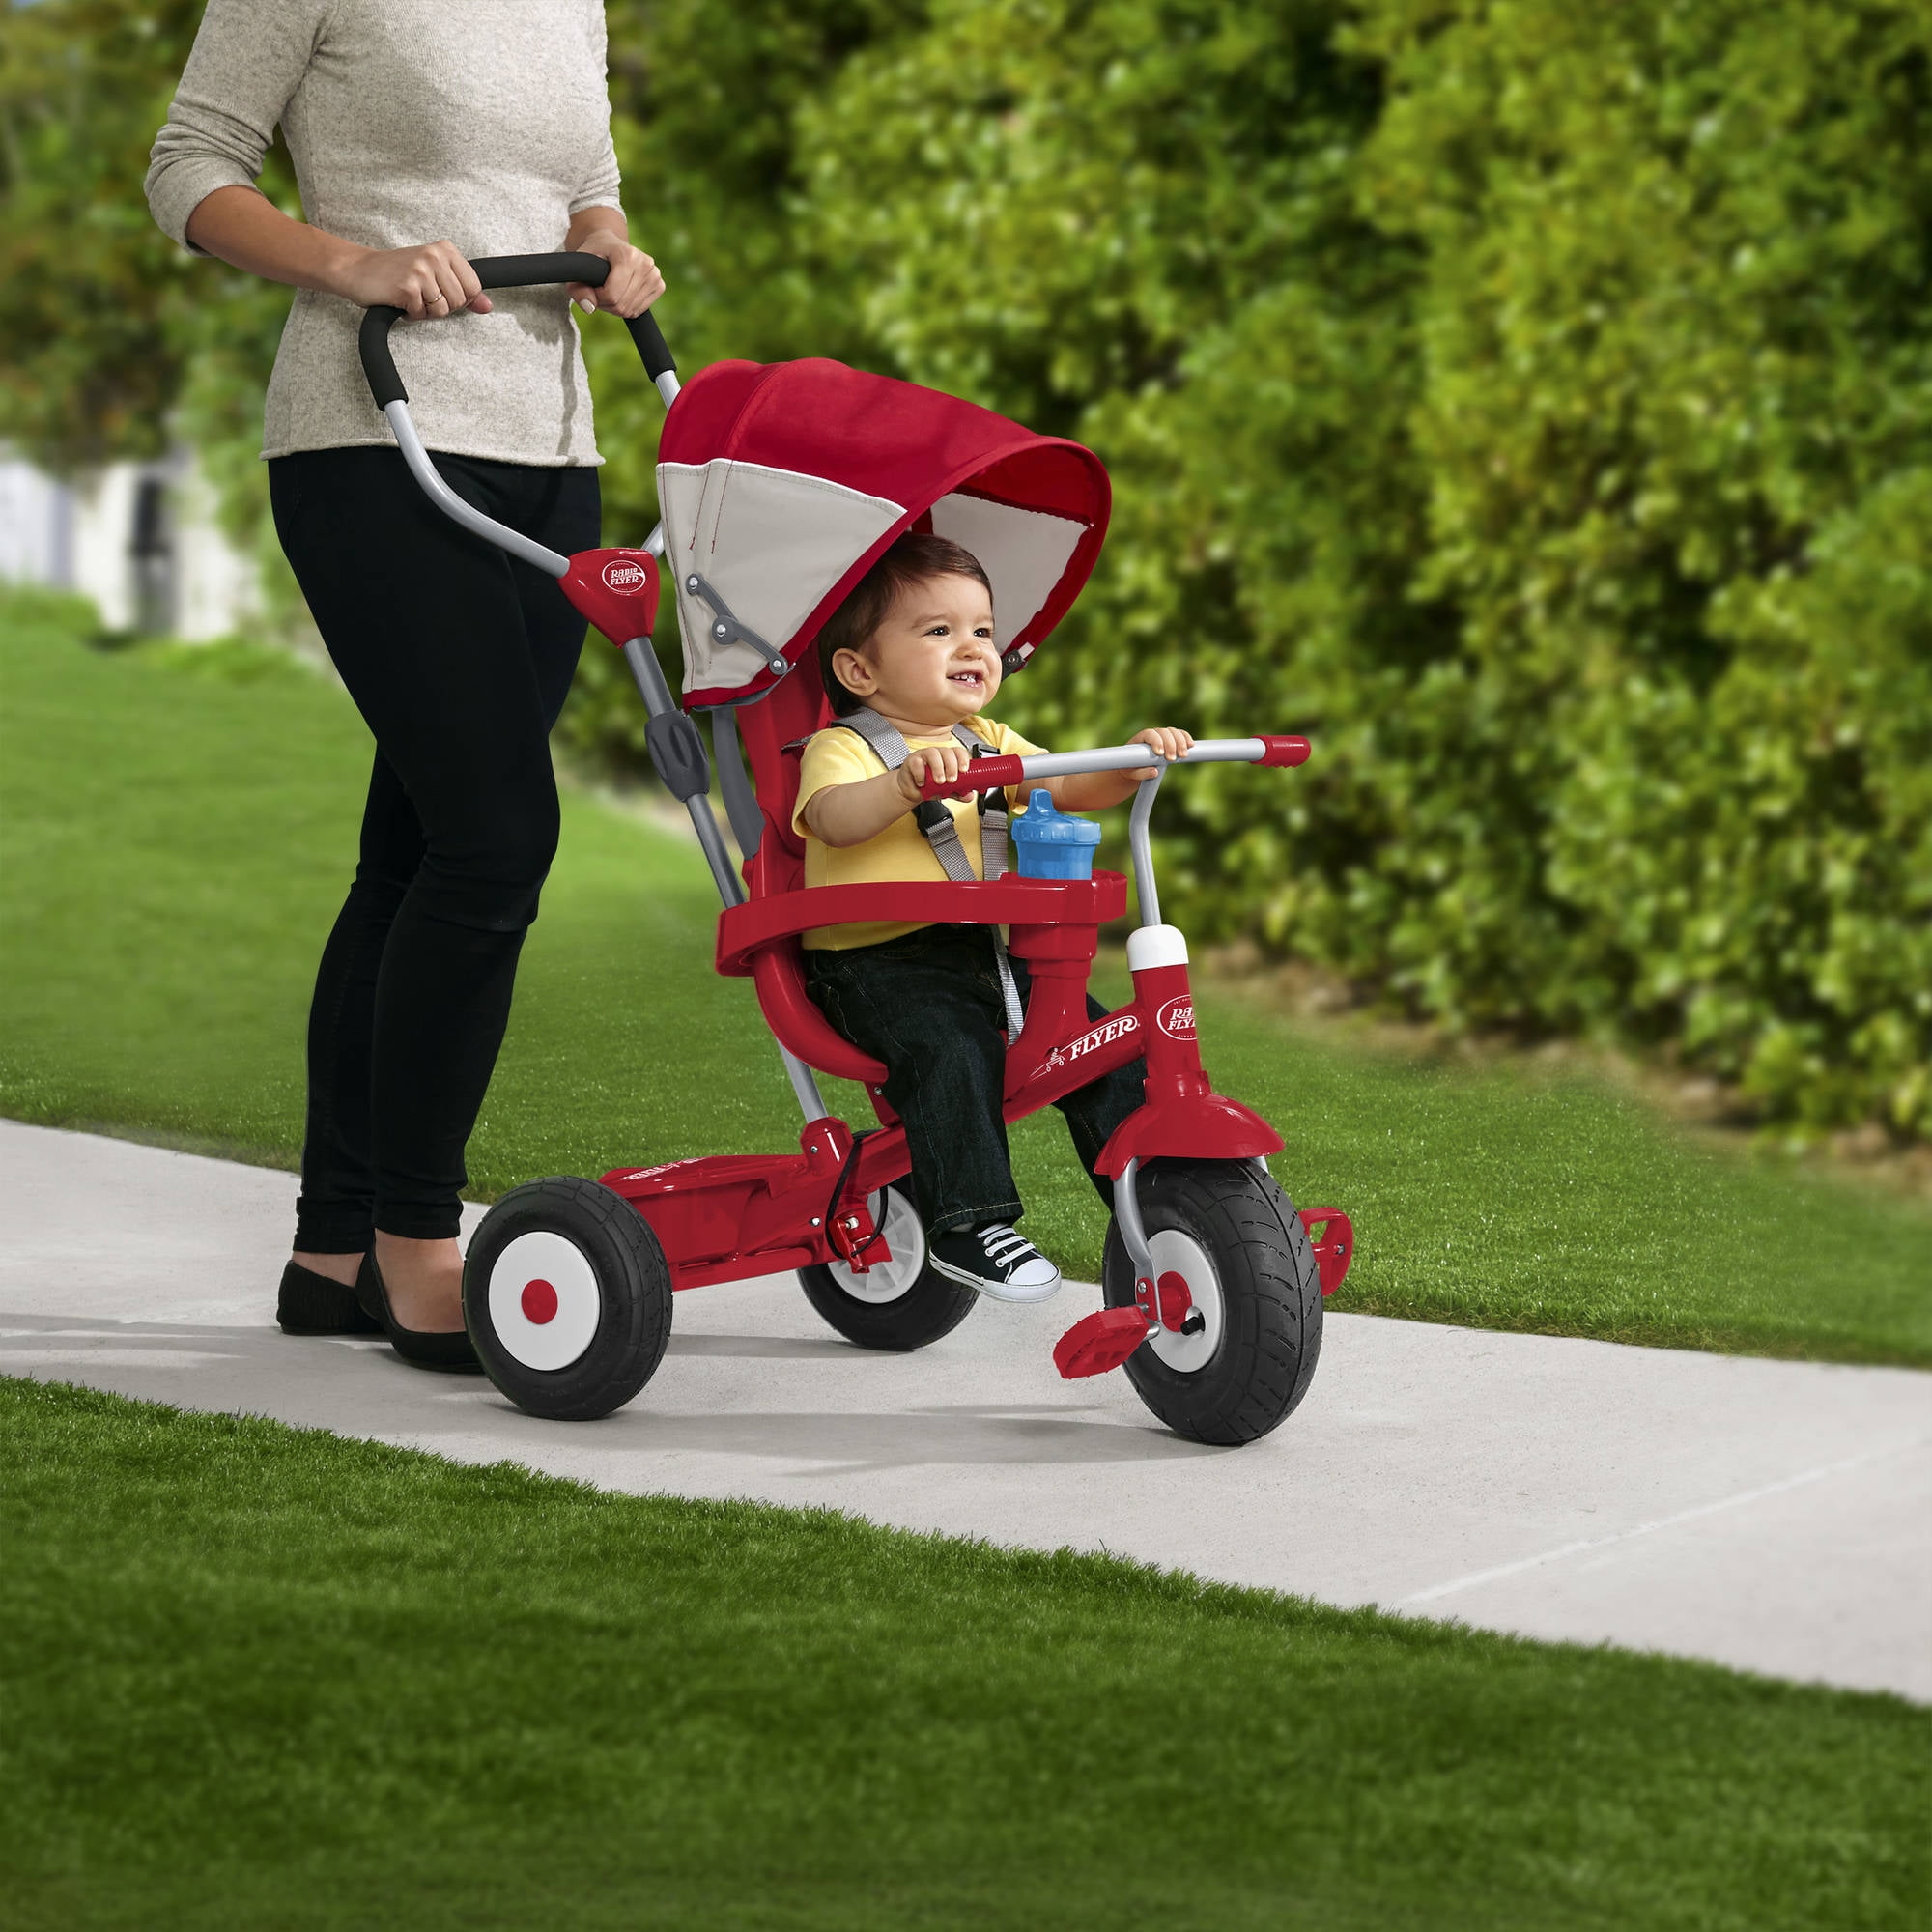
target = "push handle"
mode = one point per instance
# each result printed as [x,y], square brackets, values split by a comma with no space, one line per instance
[1274,749]
[508,272]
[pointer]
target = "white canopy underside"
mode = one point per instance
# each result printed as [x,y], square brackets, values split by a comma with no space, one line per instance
[773,542]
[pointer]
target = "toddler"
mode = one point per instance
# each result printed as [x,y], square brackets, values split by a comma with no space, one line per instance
[910,656]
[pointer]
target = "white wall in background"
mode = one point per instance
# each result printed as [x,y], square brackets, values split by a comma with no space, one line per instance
[139,539]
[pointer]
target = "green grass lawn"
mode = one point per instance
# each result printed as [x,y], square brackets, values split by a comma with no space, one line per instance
[261,1678]
[175,830]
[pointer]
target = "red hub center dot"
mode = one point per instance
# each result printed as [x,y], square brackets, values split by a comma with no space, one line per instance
[539,1302]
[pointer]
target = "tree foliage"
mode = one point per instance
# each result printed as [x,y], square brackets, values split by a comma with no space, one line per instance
[1530,400]
[1533,402]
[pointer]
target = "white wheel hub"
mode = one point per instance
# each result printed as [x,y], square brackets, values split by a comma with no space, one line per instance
[894,1218]
[1176,1253]
[544,1300]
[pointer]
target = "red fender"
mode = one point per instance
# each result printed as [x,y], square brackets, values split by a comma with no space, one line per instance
[1195,1126]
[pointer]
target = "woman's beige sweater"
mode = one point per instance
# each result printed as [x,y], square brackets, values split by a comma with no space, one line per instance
[484,123]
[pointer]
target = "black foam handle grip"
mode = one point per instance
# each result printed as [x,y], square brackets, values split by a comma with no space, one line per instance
[651,344]
[505,271]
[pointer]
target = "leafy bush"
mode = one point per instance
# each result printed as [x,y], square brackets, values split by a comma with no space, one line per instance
[1531,401]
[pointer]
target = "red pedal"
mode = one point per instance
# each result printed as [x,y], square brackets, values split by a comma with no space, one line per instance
[1100,1342]
[1336,1248]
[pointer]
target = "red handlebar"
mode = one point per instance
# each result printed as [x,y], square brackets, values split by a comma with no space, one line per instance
[988,775]
[1285,750]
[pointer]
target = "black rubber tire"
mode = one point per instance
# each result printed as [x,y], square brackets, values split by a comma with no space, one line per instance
[1271,1293]
[633,1285]
[931,1308]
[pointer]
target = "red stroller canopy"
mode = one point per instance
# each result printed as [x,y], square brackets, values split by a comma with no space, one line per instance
[780,484]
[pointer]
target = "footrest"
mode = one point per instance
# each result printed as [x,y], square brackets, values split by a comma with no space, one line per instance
[1100,1342]
[1336,1248]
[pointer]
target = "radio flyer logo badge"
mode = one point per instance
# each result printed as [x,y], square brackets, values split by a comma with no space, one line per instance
[1110,1028]
[1175,1019]
[626,575]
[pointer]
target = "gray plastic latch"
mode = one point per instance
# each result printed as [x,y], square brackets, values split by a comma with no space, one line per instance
[678,752]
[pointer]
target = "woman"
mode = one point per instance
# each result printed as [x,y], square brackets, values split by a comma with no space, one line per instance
[486,123]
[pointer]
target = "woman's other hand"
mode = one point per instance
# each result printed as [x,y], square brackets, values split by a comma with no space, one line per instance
[426,282]
[633,284]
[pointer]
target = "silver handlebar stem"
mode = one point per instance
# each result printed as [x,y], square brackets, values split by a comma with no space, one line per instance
[1126,759]
[1140,845]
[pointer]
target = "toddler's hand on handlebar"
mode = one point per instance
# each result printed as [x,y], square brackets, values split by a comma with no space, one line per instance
[933,764]
[1170,742]
[426,282]
[633,284]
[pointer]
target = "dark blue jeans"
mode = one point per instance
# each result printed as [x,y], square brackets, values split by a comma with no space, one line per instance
[928,1005]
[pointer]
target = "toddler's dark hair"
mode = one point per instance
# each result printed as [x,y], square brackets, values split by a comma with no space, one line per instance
[911,560]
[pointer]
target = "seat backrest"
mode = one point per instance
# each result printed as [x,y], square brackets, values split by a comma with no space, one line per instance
[771,730]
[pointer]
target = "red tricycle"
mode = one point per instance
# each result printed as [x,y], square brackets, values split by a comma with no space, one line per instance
[779,486]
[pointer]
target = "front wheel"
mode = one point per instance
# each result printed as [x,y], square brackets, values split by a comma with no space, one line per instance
[894,1306]
[1232,1235]
[567,1297]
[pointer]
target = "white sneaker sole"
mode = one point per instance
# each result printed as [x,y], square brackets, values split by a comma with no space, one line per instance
[995,1290]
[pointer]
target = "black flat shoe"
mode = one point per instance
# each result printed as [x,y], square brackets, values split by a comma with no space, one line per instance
[313,1304]
[448,1350]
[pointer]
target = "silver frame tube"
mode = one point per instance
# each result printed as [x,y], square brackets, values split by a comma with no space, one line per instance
[1128,1218]
[1140,845]
[452,506]
[655,693]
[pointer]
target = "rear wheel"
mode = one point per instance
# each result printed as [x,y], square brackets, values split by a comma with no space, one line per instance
[567,1297]
[1232,1235]
[894,1306]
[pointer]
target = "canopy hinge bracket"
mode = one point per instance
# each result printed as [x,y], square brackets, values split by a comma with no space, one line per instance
[725,628]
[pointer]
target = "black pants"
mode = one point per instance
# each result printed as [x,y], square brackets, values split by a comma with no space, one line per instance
[459,660]
[928,1005]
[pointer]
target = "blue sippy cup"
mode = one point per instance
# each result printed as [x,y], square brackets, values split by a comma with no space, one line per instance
[1050,845]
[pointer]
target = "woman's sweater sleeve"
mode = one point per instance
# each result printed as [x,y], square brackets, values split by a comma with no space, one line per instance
[599,187]
[248,58]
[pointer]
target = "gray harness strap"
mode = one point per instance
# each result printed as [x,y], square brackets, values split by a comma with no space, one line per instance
[942,834]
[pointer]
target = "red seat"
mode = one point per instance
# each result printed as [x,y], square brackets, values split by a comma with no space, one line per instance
[778,967]
[774,733]
[762,938]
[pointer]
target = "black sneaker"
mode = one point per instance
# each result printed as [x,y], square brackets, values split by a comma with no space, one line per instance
[997,1260]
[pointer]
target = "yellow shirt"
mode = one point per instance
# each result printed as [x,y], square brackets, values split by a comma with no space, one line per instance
[836,756]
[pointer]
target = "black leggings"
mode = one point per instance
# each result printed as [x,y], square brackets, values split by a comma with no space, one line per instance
[459,660]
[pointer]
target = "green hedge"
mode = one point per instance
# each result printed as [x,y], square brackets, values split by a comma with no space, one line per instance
[1533,402]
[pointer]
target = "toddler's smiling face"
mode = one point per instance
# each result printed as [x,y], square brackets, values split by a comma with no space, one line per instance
[931,663]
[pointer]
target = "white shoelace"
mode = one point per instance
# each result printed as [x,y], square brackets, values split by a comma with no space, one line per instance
[1002,1244]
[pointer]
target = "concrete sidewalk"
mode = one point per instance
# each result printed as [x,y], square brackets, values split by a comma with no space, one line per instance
[1773,1516]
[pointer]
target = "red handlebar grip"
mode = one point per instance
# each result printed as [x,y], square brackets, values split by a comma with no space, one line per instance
[986,775]
[1285,750]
